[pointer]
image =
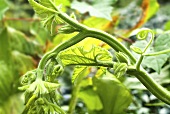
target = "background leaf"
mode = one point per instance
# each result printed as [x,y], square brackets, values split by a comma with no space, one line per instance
[162,42]
[167,25]
[6,78]
[113,94]
[155,62]
[99,9]
[13,63]
[23,62]
[24,45]
[3,8]
[5,46]
[13,105]
[163,77]
[64,3]
[153,8]
[91,99]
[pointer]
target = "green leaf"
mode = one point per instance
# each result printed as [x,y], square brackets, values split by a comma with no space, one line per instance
[163,77]
[62,37]
[3,8]
[167,25]
[13,54]
[64,3]
[6,79]
[44,8]
[5,46]
[107,2]
[133,83]
[155,62]
[153,8]
[91,99]
[24,45]
[47,12]
[79,56]
[99,9]
[41,34]
[162,42]
[95,22]
[12,65]
[12,105]
[113,94]
[23,63]
[47,3]
[79,73]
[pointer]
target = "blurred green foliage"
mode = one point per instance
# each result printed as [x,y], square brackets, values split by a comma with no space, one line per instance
[24,40]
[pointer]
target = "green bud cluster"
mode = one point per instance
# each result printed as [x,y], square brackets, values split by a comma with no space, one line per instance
[40,96]
[119,69]
[28,78]
[122,58]
[121,66]
[53,70]
[67,29]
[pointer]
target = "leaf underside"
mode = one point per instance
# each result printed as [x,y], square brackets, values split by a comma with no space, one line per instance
[79,56]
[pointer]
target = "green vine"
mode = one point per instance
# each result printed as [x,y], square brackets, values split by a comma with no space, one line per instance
[41,88]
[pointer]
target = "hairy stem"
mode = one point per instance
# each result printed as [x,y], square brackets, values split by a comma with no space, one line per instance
[156,89]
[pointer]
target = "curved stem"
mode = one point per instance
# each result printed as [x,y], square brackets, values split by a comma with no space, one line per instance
[112,41]
[109,39]
[156,89]
[57,49]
